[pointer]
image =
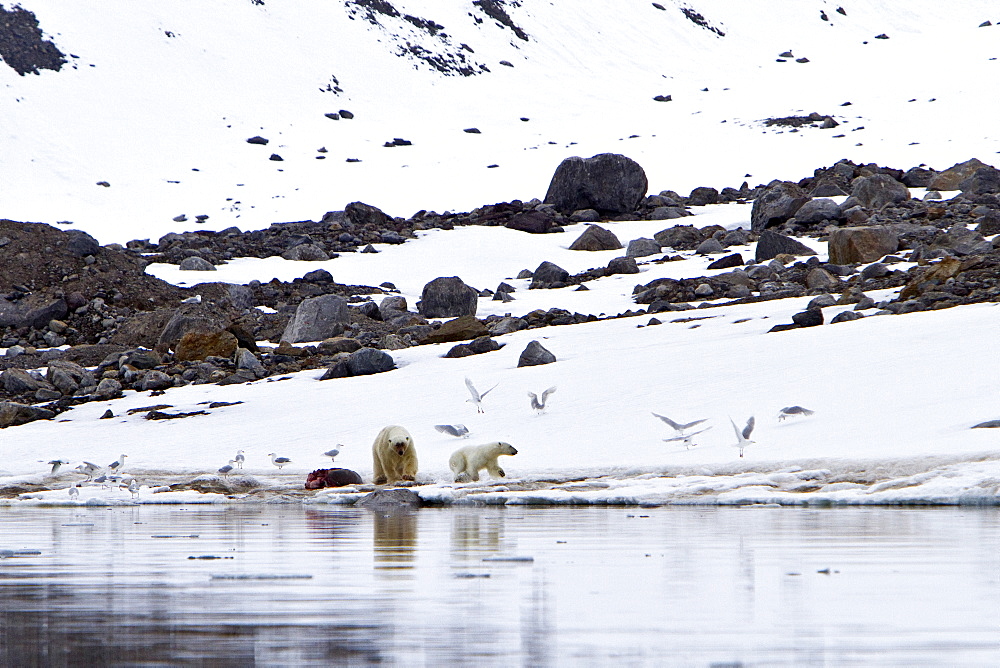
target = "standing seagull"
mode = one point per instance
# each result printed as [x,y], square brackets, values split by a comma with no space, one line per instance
[477,398]
[74,493]
[332,454]
[279,461]
[56,465]
[117,466]
[456,430]
[238,460]
[679,428]
[224,471]
[133,487]
[743,436]
[789,411]
[539,406]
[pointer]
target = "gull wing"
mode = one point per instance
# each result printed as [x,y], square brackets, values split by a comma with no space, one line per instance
[546,393]
[488,391]
[472,390]
[670,422]
[692,424]
[747,430]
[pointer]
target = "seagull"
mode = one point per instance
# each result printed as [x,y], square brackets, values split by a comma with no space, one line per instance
[224,471]
[56,465]
[686,440]
[333,452]
[88,469]
[789,411]
[74,493]
[279,461]
[192,300]
[117,466]
[477,398]
[743,436]
[679,428]
[539,406]
[456,430]
[102,480]
[134,488]
[238,460]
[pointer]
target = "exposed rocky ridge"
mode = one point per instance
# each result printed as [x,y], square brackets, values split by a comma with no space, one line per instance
[128,330]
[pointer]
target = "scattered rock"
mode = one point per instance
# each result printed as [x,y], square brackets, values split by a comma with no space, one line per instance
[771,244]
[447,297]
[596,238]
[535,354]
[317,318]
[779,202]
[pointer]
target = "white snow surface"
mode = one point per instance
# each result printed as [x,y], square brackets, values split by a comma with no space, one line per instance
[894,396]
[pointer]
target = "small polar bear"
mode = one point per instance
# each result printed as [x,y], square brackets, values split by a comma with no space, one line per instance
[394,456]
[467,462]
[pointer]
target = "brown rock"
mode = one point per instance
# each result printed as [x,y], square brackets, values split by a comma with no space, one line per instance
[339,344]
[465,328]
[199,345]
[849,245]
[951,177]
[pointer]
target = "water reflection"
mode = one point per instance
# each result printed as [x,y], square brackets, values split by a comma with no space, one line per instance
[287,585]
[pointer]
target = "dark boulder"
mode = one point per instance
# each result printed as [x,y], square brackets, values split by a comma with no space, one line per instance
[548,274]
[984,180]
[533,222]
[596,238]
[447,297]
[808,318]
[779,202]
[607,182]
[679,237]
[81,244]
[878,190]
[771,244]
[366,215]
[622,265]
[727,262]
[950,178]
[703,195]
[389,499]
[464,328]
[535,354]
[368,361]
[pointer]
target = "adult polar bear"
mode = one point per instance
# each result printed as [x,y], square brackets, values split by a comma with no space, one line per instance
[467,462]
[394,456]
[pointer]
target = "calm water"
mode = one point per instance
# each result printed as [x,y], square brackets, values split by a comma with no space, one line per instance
[577,586]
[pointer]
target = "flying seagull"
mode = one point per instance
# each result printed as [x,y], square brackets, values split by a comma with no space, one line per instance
[539,406]
[789,411]
[679,428]
[332,454]
[456,430]
[88,469]
[56,465]
[238,460]
[279,461]
[686,440]
[477,398]
[743,436]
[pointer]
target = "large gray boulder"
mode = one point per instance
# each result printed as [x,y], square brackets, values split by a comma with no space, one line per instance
[305,253]
[32,311]
[447,297]
[195,263]
[365,215]
[642,247]
[771,244]
[317,318]
[596,238]
[817,211]
[81,244]
[679,237]
[879,190]
[607,182]
[779,202]
[849,245]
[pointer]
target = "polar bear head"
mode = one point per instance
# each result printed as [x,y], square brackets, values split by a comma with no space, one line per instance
[505,449]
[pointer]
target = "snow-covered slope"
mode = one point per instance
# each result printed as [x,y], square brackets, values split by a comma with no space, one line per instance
[158,100]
